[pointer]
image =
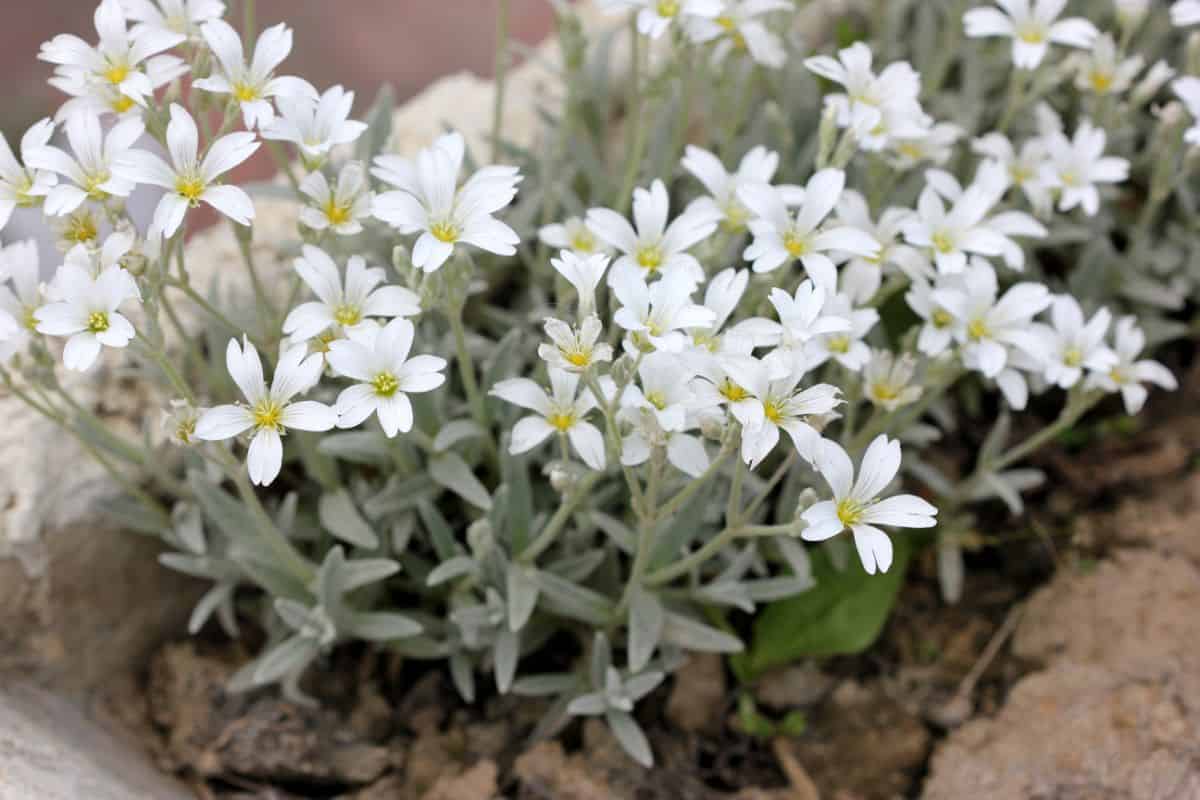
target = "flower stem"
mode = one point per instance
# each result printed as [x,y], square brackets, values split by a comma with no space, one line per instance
[466,369]
[633,116]
[549,533]
[244,237]
[501,77]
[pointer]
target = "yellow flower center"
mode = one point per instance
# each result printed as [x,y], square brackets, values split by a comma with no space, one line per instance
[839,343]
[795,245]
[736,217]
[1073,357]
[657,399]
[385,384]
[732,392]
[773,410]
[978,329]
[189,187]
[268,415]
[446,232]
[850,512]
[28,319]
[116,73]
[1101,81]
[941,318]
[667,8]
[911,150]
[81,228]
[884,392]
[650,257]
[337,214]
[97,322]
[185,430]
[121,104]
[321,341]
[92,184]
[706,340]
[1069,178]
[583,242]
[562,421]
[577,357]
[727,23]
[347,315]
[1118,376]
[1019,173]
[1032,34]
[245,93]
[943,242]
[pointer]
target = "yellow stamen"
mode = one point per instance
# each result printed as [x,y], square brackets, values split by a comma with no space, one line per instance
[92,185]
[1101,81]
[667,8]
[1032,34]
[446,232]
[189,187]
[562,421]
[116,73]
[732,392]
[245,93]
[97,322]
[185,430]
[795,245]
[122,104]
[346,315]
[838,344]
[322,341]
[385,384]
[978,329]
[941,318]
[577,357]
[337,214]
[850,512]
[650,257]
[24,198]
[773,410]
[943,242]
[583,242]
[1073,357]
[81,228]
[268,415]
[657,399]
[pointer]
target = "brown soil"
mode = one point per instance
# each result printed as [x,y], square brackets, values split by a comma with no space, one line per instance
[874,721]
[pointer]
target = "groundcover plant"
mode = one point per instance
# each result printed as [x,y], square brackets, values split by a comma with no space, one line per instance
[557,416]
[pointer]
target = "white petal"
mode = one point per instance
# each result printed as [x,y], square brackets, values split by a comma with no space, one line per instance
[308,415]
[528,433]
[223,422]
[264,459]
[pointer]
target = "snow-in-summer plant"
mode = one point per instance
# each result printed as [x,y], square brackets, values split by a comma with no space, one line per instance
[705,330]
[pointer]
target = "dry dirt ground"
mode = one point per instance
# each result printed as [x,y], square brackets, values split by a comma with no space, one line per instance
[1070,671]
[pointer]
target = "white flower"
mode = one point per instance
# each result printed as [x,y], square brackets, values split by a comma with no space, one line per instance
[684,451]
[24,186]
[736,28]
[90,170]
[92,97]
[269,413]
[574,351]
[780,237]
[847,346]
[252,85]
[1032,26]
[933,143]
[315,127]
[386,376]
[116,61]
[802,317]
[173,16]
[757,167]
[560,412]
[863,275]
[937,333]
[661,311]
[571,234]
[19,264]
[428,200]
[86,311]
[81,257]
[655,16]
[1129,372]
[875,107]
[1185,12]
[1187,89]
[1074,344]
[351,304]
[189,180]
[965,227]
[1100,72]
[1074,166]
[773,404]
[887,380]
[1024,168]
[584,274]
[721,297]
[340,208]
[987,327]
[664,393]
[856,504]
[654,247]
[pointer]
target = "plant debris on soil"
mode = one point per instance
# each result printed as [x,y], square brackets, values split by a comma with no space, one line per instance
[384,729]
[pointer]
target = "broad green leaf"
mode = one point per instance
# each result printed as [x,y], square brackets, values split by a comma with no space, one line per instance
[342,518]
[450,471]
[842,614]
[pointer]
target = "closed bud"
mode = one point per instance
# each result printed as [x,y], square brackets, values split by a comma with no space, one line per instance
[713,426]
[562,479]
[622,370]
[480,538]
[827,137]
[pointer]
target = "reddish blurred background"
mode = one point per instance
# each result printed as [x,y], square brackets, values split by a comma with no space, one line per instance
[361,44]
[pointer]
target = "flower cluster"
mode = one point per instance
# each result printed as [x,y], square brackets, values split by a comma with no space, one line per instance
[713,340]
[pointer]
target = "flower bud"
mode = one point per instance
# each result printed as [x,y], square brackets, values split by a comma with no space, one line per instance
[827,137]
[561,478]
[622,370]
[713,425]
[480,538]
